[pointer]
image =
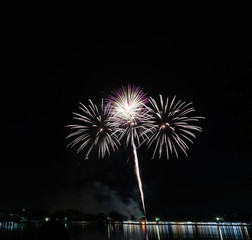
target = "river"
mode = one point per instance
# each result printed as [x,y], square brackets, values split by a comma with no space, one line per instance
[133,231]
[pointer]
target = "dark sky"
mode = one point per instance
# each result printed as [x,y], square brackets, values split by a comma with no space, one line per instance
[49,73]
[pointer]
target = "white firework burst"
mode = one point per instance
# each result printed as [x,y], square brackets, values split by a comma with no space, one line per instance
[171,126]
[129,114]
[93,128]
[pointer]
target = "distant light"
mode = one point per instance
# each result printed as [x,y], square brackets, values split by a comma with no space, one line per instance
[157,219]
[23,209]
[47,219]
[219,219]
[65,218]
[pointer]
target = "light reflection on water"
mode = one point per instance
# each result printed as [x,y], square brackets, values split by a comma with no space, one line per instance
[178,230]
[188,231]
[18,231]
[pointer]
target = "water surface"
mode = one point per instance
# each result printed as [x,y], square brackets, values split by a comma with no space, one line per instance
[171,230]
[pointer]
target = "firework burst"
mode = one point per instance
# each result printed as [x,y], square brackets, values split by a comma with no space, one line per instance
[93,128]
[129,114]
[171,126]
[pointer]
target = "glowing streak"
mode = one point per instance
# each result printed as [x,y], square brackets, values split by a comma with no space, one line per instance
[138,173]
[221,237]
[158,232]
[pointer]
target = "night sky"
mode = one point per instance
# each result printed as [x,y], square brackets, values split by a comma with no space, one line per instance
[50,73]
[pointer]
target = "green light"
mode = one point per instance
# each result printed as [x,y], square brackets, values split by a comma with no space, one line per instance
[157,219]
[219,219]
[65,218]
[47,219]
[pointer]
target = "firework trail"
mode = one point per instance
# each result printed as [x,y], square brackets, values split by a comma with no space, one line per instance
[130,119]
[138,175]
[171,126]
[93,128]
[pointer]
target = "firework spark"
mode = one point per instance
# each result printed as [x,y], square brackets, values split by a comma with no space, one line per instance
[93,129]
[171,126]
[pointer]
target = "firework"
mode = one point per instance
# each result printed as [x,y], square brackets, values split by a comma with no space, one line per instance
[93,128]
[171,126]
[128,103]
[130,119]
[129,114]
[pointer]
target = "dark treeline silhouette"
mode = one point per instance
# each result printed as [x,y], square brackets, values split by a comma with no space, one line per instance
[18,214]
